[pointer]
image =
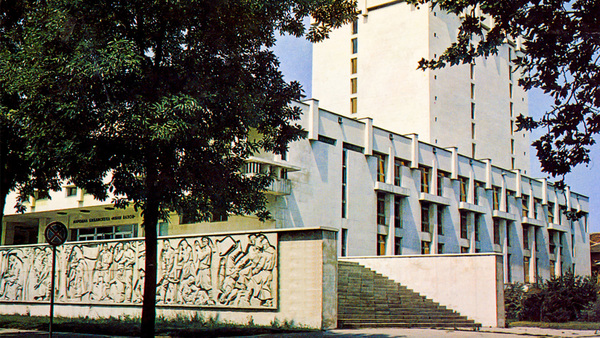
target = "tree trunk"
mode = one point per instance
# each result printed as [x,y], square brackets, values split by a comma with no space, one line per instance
[151,211]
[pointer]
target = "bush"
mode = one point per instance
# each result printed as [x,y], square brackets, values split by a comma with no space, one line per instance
[561,299]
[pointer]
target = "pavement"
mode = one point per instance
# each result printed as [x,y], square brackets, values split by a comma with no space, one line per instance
[520,332]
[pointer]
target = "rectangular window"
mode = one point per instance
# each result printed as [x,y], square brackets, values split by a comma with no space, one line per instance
[473,130]
[425,217]
[353,86]
[512,164]
[355,46]
[510,72]
[508,194]
[496,231]
[573,246]
[381,208]
[355,27]
[550,212]
[477,227]
[472,91]
[381,160]
[353,66]
[344,183]
[512,109]
[508,234]
[552,243]
[472,110]
[344,242]
[425,179]
[440,183]
[512,146]
[508,269]
[71,191]
[380,245]
[536,204]
[526,269]
[464,233]
[471,70]
[525,237]
[398,172]
[353,105]
[525,205]
[440,220]
[478,187]
[440,248]
[510,90]
[108,232]
[397,212]
[425,248]
[552,269]
[496,192]
[464,188]
[464,249]
[397,245]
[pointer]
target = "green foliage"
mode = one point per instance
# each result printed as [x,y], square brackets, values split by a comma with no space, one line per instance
[559,55]
[513,294]
[560,299]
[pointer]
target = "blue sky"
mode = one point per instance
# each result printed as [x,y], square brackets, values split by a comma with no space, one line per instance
[295,56]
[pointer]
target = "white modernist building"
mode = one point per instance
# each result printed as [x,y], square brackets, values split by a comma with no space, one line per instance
[385,193]
[369,69]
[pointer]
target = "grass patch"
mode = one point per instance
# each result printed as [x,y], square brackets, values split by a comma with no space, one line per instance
[560,326]
[181,326]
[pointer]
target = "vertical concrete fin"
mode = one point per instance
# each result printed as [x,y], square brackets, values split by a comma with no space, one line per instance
[518,183]
[313,119]
[454,173]
[488,173]
[389,179]
[568,198]
[544,191]
[368,135]
[414,156]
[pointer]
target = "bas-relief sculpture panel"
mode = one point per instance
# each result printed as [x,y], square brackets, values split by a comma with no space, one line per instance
[238,271]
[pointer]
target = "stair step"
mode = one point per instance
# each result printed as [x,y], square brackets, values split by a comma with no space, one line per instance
[369,299]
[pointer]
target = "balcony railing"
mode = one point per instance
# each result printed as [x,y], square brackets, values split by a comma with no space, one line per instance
[280,186]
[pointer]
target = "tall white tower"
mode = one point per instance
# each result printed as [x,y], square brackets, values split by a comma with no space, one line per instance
[369,69]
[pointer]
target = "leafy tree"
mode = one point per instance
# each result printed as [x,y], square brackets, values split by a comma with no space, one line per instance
[18,170]
[160,102]
[561,45]
[560,299]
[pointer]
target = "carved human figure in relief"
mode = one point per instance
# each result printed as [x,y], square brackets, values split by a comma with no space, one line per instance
[77,281]
[166,285]
[262,274]
[229,252]
[41,274]
[203,276]
[102,273]
[11,286]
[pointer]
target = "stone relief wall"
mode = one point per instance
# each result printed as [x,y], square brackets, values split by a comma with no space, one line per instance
[237,271]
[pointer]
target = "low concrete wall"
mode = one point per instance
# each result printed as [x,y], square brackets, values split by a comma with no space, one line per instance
[471,284]
[300,288]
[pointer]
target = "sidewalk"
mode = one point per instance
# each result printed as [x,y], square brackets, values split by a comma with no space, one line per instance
[521,332]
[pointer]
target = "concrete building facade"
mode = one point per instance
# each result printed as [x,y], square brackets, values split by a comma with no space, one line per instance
[369,69]
[386,194]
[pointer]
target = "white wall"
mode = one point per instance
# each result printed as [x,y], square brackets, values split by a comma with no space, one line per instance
[469,284]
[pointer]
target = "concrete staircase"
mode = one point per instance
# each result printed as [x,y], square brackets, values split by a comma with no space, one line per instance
[368,299]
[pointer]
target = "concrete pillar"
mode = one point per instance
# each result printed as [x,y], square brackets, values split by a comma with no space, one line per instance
[389,246]
[434,232]
[313,119]
[518,183]
[504,233]
[414,156]
[389,179]
[471,227]
[533,266]
[368,137]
